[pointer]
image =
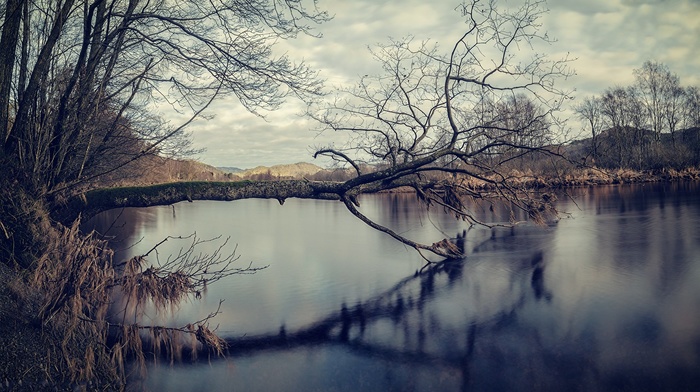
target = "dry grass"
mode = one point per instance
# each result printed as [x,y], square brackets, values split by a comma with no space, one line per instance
[73,276]
[94,307]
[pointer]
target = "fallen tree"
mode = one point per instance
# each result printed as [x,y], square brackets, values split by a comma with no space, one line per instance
[445,193]
[97,201]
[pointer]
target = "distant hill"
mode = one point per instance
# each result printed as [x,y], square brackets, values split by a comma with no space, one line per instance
[189,170]
[156,170]
[295,171]
[230,169]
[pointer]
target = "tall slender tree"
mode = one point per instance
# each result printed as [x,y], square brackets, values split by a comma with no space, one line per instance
[691,106]
[659,91]
[590,111]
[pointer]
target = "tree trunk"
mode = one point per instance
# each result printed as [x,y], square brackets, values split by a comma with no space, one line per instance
[96,201]
[40,69]
[8,50]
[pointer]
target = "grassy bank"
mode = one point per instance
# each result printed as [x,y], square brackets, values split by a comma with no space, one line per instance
[38,351]
[587,177]
[24,347]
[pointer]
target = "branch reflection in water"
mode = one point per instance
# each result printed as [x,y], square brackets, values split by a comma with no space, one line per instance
[605,300]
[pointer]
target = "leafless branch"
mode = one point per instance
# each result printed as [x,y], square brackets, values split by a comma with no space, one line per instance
[455,125]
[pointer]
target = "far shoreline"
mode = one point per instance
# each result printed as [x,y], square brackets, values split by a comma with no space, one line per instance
[585,178]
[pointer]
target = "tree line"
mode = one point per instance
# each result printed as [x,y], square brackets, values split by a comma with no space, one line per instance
[651,124]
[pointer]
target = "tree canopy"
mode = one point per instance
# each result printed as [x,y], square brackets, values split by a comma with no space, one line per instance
[436,118]
[82,82]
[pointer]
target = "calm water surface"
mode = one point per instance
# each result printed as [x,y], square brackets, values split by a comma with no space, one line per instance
[606,299]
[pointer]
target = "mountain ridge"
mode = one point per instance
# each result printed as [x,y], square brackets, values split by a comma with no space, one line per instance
[294,170]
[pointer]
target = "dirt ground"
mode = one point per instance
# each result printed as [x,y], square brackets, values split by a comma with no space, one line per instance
[25,352]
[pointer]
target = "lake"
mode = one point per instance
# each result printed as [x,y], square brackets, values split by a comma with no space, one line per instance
[608,298]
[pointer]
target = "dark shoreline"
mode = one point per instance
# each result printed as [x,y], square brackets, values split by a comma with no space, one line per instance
[583,178]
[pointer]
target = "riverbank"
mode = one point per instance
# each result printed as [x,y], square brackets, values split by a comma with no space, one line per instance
[36,352]
[25,349]
[528,179]
[591,177]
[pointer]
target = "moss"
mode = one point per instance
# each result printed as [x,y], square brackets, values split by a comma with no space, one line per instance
[159,188]
[95,201]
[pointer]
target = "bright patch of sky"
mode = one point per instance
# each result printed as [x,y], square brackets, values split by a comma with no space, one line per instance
[609,38]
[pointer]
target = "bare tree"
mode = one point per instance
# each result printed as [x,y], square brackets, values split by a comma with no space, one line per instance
[639,115]
[672,108]
[691,121]
[615,103]
[519,112]
[446,124]
[436,121]
[659,91]
[83,88]
[691,105]
[638,142]
[89,300]
[93,72]
[84,85]
[590,111]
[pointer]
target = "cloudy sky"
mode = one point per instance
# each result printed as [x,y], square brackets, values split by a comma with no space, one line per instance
[609,38]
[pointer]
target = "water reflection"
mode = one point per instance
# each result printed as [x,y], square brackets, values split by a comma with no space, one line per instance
[605,300]
[408,325]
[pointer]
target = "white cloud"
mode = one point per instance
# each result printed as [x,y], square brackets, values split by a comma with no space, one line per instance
[609,37]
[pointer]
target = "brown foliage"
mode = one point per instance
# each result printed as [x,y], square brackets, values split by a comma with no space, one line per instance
[84,293]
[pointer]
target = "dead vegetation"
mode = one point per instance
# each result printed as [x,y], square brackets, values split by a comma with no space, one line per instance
[95,307]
